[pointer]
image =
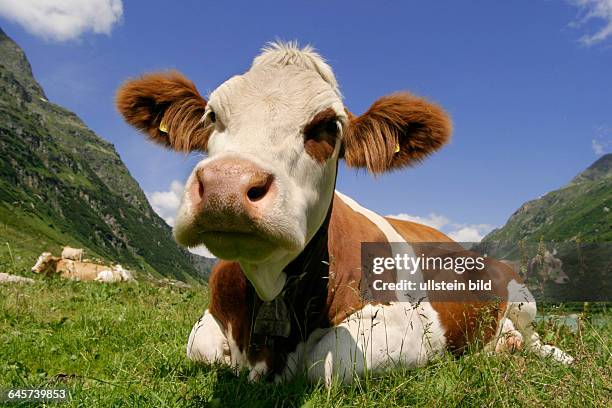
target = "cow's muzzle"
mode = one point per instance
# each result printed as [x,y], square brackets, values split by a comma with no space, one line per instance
[226,188]
[230,200]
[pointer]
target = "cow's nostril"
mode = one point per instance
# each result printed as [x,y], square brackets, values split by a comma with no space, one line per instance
[258,191]
[200,189]
[196,191]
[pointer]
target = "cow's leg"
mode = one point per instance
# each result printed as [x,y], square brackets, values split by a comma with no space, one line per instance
[508,339]
[375,339]
[522,312]
[207,342]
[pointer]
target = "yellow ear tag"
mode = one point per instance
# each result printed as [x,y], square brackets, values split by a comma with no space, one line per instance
[163,127]
[397,148]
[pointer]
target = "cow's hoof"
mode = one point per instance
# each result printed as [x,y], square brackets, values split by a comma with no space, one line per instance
[258,372]
[509,342]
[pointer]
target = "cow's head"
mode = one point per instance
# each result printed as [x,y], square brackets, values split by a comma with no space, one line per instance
[44,262]
[273,136]
[549,268]
[554,268]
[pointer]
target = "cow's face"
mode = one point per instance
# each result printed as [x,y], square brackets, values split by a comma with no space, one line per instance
[553,268]
[44,262]
[274,136]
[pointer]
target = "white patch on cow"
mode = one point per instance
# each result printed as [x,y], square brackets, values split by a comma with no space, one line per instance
[377,338]
[259,370]
[124,274]
[260,116]
[289,54]
[238,359]
[522,310]
[207,343]
[106,276]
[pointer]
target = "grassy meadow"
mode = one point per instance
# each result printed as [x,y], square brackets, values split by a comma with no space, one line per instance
[124,345]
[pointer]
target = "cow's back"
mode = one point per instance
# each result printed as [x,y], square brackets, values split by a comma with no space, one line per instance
[82,271]
[415,232]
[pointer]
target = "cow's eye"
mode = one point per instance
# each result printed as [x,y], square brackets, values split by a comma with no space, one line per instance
[212,116]
[323,125]
[320,135]
[209,116]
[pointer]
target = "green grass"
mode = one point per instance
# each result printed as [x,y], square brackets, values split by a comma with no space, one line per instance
[115,345]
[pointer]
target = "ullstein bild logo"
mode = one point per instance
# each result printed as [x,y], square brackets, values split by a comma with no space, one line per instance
[449,271]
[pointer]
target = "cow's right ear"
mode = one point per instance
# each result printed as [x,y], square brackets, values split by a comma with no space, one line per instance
[168,108]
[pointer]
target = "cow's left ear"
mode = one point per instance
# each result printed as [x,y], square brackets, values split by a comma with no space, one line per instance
[398,130]
[168,108]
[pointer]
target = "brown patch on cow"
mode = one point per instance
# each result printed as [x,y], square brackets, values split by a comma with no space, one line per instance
[467,316]
[230,298]
[169,97]
[415,232]
[470,319]
[398,121]
[76,270]
[467,323]
[346,279]
[234,304]
[320,135]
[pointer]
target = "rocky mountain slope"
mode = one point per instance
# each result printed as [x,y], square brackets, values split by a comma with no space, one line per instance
[580,210]
[62,184]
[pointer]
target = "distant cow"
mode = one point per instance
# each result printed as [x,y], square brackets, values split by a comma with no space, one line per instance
[125,275]
[81,271]
[108,276]
[287,295]
[547,267]
[76,254]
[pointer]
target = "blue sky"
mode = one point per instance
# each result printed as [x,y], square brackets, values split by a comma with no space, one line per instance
[527,83]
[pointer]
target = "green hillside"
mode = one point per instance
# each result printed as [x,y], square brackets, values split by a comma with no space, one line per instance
[61,184]
[580,211]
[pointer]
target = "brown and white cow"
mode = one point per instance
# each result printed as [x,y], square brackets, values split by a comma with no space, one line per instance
[286,296]
[67,268]
[80,270]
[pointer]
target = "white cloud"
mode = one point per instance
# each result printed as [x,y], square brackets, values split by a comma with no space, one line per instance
[202,251]
[470,233]
[458,232]
[432,220]
[63,20]
[594,10]
[166,204]
[598,147]
[603,139]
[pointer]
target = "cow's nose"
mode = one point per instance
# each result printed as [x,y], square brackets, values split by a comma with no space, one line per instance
[232,185]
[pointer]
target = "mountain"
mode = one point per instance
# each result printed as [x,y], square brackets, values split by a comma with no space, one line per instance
[581,210]
[61,184]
